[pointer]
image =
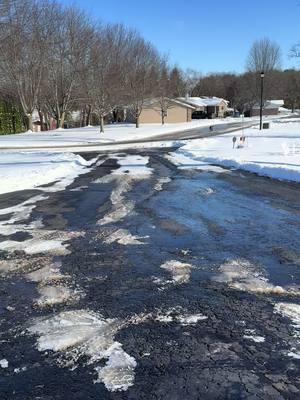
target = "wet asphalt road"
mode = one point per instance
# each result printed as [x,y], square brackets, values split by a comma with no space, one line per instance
[205,219]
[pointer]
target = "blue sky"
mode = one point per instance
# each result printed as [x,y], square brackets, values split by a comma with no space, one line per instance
[209,36]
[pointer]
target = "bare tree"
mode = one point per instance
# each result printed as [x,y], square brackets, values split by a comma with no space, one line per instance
[295,50]
[169,85]
[177,84]
[106,83]
[264,55]
[66,61]
[191,78]
[23,30]
[292,88]
[142,63]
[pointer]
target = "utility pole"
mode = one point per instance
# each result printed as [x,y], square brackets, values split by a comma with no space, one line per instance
[262,75]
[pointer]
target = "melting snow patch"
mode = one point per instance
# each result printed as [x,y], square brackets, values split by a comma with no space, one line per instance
[207,191]
[191,319]
[123,236]
[118,374]
[133,165]
[21,211]
[159,185]
[175,314]
[3,363]
[50,272]
[180,272]
[121,207]
[52,295]
[250,334]
[18,370]
[84,333]
[43,241]
[242,275]
[291,311]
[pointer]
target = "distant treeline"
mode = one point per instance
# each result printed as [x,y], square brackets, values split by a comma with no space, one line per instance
[243,90]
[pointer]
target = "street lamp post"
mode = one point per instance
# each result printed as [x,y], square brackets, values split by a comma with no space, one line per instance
[262,75]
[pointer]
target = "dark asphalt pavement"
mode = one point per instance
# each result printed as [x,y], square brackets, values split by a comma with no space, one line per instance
[184,285]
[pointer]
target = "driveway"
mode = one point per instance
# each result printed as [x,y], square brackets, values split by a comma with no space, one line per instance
[151,282]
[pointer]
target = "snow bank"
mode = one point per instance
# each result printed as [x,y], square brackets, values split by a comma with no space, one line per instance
[19,171]
[274,153]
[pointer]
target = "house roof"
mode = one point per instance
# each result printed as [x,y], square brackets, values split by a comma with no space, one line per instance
[203,101]
[278,103]
[154,100]
[267,106]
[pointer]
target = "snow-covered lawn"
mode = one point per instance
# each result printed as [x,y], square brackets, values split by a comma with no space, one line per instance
[19,171]
[274,153]
[113,133]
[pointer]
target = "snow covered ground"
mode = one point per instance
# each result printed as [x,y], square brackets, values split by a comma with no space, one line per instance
[19,171]
[274,153]
[113,133]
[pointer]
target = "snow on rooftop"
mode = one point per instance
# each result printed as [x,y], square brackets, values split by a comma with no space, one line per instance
[279,103]
[202,101]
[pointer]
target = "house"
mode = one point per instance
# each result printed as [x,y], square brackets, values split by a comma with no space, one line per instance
[270,107]
[207,107]
[175,111]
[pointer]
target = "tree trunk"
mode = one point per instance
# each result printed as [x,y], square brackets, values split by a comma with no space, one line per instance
[137,121]
[101,124]
[29,122]
[162,117]
[88,115]
[83,118]
[62,120]
[41,119]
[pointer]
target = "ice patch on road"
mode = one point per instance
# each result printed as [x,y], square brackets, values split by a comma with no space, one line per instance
[85,333]
[124,237]
[180,272]
[242,275]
